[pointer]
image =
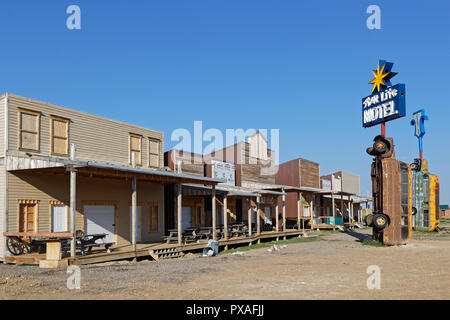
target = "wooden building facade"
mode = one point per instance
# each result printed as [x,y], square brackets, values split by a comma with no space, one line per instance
[252,165]
[35,160]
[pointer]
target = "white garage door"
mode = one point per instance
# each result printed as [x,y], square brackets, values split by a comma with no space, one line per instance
[99,219]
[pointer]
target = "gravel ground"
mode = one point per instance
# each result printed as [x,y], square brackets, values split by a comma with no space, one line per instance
[333,267]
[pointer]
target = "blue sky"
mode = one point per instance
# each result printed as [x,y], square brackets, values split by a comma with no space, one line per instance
[299,66]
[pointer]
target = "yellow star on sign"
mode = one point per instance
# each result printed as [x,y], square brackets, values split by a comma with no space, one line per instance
[378,80]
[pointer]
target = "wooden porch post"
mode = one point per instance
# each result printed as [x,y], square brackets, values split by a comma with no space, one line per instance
[258,218]
[214,213]
[312,208]
[73,194]
[133,204]
[342,207]
[277,212]
[225,219]
[350,210]
[302,213]
[333,208]
[179,212]
[299,195]
[249,222]
[284,214]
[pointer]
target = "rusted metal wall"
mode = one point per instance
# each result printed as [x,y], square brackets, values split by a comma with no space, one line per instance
[387,188]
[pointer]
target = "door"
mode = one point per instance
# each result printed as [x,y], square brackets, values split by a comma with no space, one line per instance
[27,217]
[186,218]
[59,218]
[138,224]
[100,219]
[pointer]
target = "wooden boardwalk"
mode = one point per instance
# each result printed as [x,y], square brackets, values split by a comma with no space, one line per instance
[155,251]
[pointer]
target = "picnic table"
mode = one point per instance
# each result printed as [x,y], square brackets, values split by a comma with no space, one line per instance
[193,234]
[237,230]
[85,243]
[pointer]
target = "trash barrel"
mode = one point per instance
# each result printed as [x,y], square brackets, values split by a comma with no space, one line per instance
[211,249]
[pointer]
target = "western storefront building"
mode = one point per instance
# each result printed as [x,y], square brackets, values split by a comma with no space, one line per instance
[112,161]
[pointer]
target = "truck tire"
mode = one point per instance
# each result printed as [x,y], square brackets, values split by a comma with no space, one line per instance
[368,220]
[380,221]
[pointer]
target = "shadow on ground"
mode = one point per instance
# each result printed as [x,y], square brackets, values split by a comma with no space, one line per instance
[360,237]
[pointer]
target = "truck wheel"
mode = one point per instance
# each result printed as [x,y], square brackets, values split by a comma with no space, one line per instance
[369,219]
[381,146]
[380,221]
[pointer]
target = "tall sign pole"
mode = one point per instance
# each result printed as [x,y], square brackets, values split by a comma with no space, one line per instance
[418,122]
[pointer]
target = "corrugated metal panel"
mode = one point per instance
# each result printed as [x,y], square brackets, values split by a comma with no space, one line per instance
[96,138]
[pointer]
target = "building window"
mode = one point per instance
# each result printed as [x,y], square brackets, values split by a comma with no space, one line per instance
[59,135]
[29,130]
[28,215]
[153,157]
[153,221]
[136,147]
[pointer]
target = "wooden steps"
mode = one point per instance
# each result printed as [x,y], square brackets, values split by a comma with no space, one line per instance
[168,253]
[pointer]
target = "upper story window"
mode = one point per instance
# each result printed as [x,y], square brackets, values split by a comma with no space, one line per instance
[59,136]
[154,151]
[29,130]
[135,141]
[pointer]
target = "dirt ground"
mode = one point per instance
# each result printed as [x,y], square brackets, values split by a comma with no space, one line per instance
[334,267]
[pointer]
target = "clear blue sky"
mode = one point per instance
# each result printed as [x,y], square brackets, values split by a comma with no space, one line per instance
[300,66]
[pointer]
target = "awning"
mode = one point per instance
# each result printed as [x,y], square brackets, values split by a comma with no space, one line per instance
[56,165]
[230,191]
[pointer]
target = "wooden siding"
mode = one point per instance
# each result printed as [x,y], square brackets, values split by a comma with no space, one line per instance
[309,174]
[2,124]
[252,169]
[288,174]
[191,163]
[299,173]
[2,172]
[96,138]
[2,210]
[46,188]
